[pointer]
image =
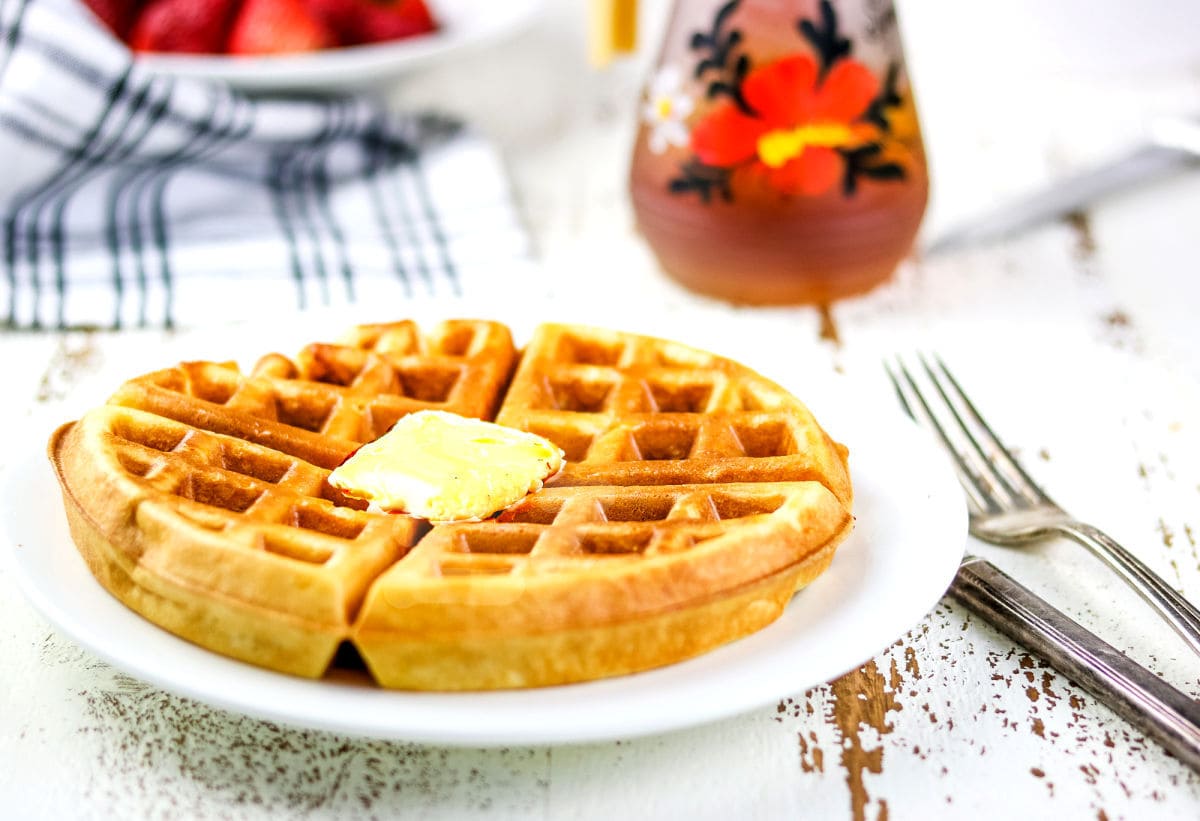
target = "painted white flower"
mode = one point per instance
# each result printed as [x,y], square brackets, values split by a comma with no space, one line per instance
[666,109]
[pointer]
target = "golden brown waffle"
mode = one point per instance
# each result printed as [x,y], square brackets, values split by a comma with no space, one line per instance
[700,497]
[635,410]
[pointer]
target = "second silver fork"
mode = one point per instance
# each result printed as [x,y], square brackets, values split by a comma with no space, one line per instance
[1007,506]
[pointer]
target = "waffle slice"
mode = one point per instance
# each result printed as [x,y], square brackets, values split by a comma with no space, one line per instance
[635,410]
[335,397]
[230,544]
[579,583]
[701,496]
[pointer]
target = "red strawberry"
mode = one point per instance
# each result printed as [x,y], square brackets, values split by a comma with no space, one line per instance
[374,21]
[339,15]
[397,19]
[278,27]
[118,15]
[183,26]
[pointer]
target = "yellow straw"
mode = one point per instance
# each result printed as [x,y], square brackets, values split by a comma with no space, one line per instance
[612,29]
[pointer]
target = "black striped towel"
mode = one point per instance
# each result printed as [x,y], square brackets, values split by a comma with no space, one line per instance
[130,199]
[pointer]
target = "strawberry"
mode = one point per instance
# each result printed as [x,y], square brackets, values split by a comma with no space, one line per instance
[397,19]
[339,15]
[374,21]
[278,27]
[188,26]
[118,15]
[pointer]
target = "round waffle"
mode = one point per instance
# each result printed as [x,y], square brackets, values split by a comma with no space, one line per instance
[698,497]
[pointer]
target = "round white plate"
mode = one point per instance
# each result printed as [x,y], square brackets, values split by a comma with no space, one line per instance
[464,24]
[909,536]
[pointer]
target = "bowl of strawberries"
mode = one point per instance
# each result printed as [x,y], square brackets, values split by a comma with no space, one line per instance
[303,45]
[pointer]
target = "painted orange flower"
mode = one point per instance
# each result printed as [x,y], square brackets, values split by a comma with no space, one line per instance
[799,121]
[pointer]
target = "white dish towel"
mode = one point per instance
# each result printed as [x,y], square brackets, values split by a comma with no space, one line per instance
[130,199]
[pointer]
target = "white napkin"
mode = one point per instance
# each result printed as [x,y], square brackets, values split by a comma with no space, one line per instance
[129,199]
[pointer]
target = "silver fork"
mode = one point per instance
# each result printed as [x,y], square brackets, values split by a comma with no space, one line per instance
[1007,507]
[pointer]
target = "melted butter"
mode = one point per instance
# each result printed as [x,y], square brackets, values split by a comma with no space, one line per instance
[448,468]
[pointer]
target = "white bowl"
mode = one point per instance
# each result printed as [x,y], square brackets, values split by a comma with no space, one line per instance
[464,24]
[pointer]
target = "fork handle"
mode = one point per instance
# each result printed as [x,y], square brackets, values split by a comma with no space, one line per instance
[1131,691]
[1178,611]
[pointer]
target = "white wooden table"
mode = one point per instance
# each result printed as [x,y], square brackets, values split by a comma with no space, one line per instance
[1078,339]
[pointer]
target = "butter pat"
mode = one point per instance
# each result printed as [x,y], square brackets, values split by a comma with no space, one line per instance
[448,468]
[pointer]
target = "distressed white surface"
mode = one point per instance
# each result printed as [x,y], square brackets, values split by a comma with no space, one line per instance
[1079,341]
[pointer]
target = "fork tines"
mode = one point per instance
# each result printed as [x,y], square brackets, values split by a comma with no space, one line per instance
[991,476]
[1007,507]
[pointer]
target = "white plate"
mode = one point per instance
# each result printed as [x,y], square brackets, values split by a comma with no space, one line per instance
[464,23]
[908,539]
